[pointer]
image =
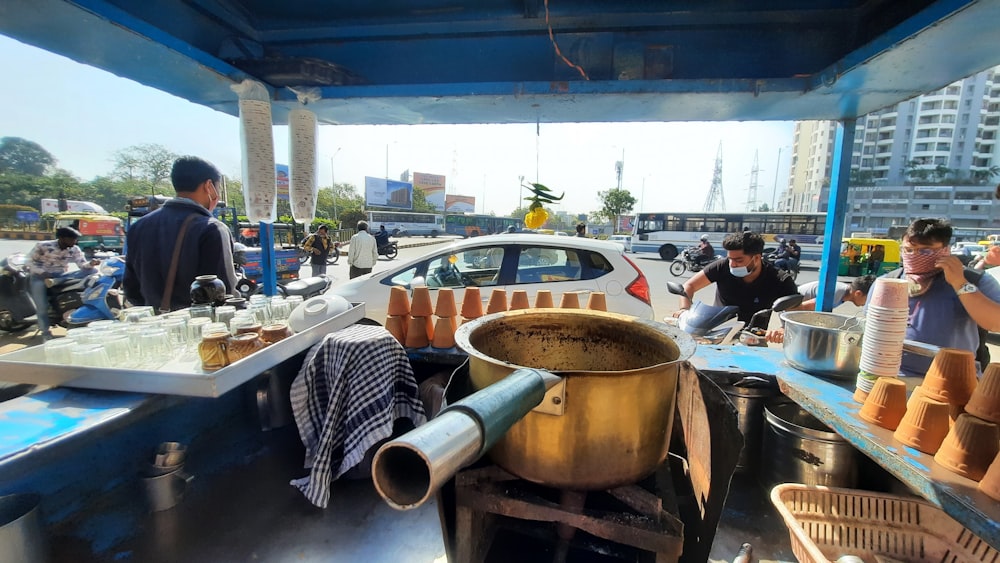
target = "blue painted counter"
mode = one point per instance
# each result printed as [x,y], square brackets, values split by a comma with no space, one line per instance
[832,403]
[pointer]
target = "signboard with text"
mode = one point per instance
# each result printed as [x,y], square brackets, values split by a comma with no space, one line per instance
[380,192]
[460,203]
[433,186]
[281,180]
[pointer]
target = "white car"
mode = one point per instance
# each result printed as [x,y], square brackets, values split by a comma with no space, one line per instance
[624,240]
[513,261]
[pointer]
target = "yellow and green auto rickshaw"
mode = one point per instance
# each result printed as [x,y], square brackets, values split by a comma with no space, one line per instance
[856,256]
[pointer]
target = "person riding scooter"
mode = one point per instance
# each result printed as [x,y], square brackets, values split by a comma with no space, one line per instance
[50,266]
[381,237]
[705,251]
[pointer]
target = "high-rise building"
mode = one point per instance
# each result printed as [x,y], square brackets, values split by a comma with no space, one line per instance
[932,156]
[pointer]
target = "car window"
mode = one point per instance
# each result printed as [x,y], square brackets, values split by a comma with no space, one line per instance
[472,267]
[540,264]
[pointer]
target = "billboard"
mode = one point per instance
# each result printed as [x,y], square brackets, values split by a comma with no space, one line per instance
[433,187]
[380,192]
[281,180]
[626,223]
[460,203]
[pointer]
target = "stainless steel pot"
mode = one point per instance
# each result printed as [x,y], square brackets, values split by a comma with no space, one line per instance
[815,343]
[798,448]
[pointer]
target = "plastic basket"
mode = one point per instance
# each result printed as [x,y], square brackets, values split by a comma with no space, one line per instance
[826,523]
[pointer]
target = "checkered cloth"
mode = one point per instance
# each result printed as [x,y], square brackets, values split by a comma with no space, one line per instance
[350,389]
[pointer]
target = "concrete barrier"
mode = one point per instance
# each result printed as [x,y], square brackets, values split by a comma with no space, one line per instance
[25,235]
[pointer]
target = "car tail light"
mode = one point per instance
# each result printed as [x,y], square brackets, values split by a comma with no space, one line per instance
[639,288]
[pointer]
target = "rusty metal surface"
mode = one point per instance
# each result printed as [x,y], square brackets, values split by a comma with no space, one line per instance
[831,402]
[712,439]
[620,377]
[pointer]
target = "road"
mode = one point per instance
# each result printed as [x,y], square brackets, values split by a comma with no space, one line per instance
[656,270]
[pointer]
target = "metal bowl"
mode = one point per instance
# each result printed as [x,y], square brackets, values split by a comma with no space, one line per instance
[816,344]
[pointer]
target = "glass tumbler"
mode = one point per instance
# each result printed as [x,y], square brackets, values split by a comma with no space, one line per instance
[90,355]
[133,314]
[194,328]
[177,335]
[201,311]
[119,349]
[224,314]
[280,310]
[59,350]
[293,301]
[154,347]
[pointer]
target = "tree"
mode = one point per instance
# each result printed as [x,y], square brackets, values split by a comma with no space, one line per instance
[616,202]
[420,203]
[21,156]
[148,162]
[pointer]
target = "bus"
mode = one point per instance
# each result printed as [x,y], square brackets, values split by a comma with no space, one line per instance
[668,234]
[472,225]
[407,223]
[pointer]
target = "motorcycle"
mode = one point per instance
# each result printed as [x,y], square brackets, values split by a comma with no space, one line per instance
[772,257]
[690,261]
[306,287]
[98,293]
[102,297]
[712,324]
[331,259]
[390,249]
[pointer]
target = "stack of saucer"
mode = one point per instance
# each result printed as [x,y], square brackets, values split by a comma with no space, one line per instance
[885,330]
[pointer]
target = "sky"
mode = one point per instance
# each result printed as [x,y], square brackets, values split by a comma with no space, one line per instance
[83,115]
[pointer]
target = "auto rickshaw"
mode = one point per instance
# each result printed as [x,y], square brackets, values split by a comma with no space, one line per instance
[855,256]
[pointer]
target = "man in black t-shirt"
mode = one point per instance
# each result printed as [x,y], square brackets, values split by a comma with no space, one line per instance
[744,279]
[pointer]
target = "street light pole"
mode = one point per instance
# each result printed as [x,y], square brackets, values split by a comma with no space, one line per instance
[333,185]
[774,191]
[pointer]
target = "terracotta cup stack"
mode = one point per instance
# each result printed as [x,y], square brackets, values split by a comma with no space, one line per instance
[498,301]
[925,423]
[420,329]
[472,304]
[951,379]
[447,314]
[543,299]
[885,329]
[570,300]
[990,483]
[970,447]
[398,313]
[886,403]
[519,300]
[597,301]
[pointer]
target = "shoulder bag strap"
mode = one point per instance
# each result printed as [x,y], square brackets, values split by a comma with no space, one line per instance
[168,290]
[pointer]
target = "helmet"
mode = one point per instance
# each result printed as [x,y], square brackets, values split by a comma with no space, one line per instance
[704,237]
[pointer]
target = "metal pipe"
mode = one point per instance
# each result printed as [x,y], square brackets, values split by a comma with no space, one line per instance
[410,469]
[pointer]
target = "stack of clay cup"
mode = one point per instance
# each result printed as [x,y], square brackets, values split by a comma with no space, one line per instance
[420,329]
[398,313]
[472,304]
[447,319]
[970,449]
[971,443]
[934,405]
[885,330]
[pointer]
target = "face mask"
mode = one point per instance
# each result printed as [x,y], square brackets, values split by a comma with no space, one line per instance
[741,271]
[213,198]
[919,263]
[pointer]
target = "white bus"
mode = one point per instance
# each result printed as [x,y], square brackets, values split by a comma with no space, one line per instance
[406,223]
[668,234]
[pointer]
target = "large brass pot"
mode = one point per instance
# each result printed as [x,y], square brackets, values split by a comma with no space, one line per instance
[617,405]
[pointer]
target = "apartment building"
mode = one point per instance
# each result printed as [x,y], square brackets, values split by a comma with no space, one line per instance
[935,155]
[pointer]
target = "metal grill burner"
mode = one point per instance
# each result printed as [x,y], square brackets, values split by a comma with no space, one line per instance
[499,515]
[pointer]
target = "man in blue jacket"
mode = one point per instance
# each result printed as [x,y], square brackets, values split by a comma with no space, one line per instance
[206,248]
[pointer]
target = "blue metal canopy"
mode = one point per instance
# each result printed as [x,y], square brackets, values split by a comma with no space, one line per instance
[501,61]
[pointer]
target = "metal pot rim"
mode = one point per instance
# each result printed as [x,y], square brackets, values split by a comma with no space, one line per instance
[685,344]
[776,420]
[789,317]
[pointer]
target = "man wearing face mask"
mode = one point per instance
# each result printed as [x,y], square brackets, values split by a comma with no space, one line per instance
[744,279]
[948,304]
[206,246]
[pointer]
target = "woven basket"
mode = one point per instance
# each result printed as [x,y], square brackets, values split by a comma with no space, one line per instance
[826,524]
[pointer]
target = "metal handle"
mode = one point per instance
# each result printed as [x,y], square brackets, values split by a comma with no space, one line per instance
[920,348]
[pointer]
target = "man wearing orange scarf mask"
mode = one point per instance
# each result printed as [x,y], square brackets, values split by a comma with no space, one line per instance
[945,308]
